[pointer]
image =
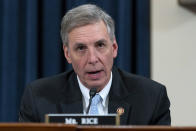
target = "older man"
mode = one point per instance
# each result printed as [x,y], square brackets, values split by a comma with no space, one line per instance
[89,44]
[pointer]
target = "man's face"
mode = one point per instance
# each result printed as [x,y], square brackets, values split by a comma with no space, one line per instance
[91,54]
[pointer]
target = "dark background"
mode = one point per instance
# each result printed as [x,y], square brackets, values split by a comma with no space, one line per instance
[31,47]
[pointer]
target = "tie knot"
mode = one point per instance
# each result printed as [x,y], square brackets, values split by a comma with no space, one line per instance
[96,99]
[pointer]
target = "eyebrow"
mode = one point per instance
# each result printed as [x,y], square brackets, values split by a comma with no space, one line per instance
[101,41]
[79,44]
[82,44]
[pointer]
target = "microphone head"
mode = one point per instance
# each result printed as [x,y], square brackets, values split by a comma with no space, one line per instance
[92,92]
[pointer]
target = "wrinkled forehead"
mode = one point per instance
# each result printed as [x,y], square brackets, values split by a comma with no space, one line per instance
[90,29]
[84,23]
[89,33]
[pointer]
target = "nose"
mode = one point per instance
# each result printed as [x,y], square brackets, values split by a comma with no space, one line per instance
[92,56]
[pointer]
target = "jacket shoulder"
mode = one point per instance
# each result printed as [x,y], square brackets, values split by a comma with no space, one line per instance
[49,87]
[56,80]
[139,83]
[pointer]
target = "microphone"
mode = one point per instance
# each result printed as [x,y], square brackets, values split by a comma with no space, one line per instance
[92,93]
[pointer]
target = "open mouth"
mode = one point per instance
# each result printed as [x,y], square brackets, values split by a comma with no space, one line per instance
[94,72]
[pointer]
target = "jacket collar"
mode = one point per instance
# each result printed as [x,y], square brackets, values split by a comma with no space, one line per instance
[72,96]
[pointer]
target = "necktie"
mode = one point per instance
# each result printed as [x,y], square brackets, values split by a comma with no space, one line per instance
[94,105]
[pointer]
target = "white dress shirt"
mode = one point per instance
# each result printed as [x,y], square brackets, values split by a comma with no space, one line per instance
[102,106]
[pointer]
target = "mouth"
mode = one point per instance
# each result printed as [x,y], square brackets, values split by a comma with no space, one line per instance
[94,74]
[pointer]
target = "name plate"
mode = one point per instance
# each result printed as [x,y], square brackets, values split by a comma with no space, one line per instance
[81,119]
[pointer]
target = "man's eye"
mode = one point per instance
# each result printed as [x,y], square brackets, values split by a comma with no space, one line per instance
[80,48]
[101,44]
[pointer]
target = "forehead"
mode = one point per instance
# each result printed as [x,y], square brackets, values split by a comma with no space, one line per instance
[89,33]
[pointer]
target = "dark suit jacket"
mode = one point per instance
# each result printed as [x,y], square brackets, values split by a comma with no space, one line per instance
[145,102]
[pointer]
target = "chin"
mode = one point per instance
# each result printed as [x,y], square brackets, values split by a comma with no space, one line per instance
[95,85]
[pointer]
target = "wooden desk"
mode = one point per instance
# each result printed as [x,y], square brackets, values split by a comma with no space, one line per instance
[35,127]
[134,128]
[63,127]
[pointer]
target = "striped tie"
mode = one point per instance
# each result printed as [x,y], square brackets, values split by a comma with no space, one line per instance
[94,105]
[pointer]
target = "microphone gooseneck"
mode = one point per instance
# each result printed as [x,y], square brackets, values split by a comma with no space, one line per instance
[92,93]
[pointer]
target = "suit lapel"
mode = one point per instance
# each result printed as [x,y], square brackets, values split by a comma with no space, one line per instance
[117,97]
[72,97]
[72,108]
[116,105]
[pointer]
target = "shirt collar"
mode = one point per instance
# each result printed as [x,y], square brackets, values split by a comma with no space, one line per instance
[103,93]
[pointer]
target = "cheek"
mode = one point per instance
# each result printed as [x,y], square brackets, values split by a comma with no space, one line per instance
[78,63]
[108,60]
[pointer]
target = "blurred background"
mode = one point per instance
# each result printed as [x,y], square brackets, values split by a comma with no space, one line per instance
[156,39]
[173,45]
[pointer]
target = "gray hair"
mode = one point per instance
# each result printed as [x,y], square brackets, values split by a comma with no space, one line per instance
[84,15]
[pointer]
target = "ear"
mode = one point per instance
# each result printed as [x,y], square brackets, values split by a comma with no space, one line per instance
[67,53]
[115,48]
